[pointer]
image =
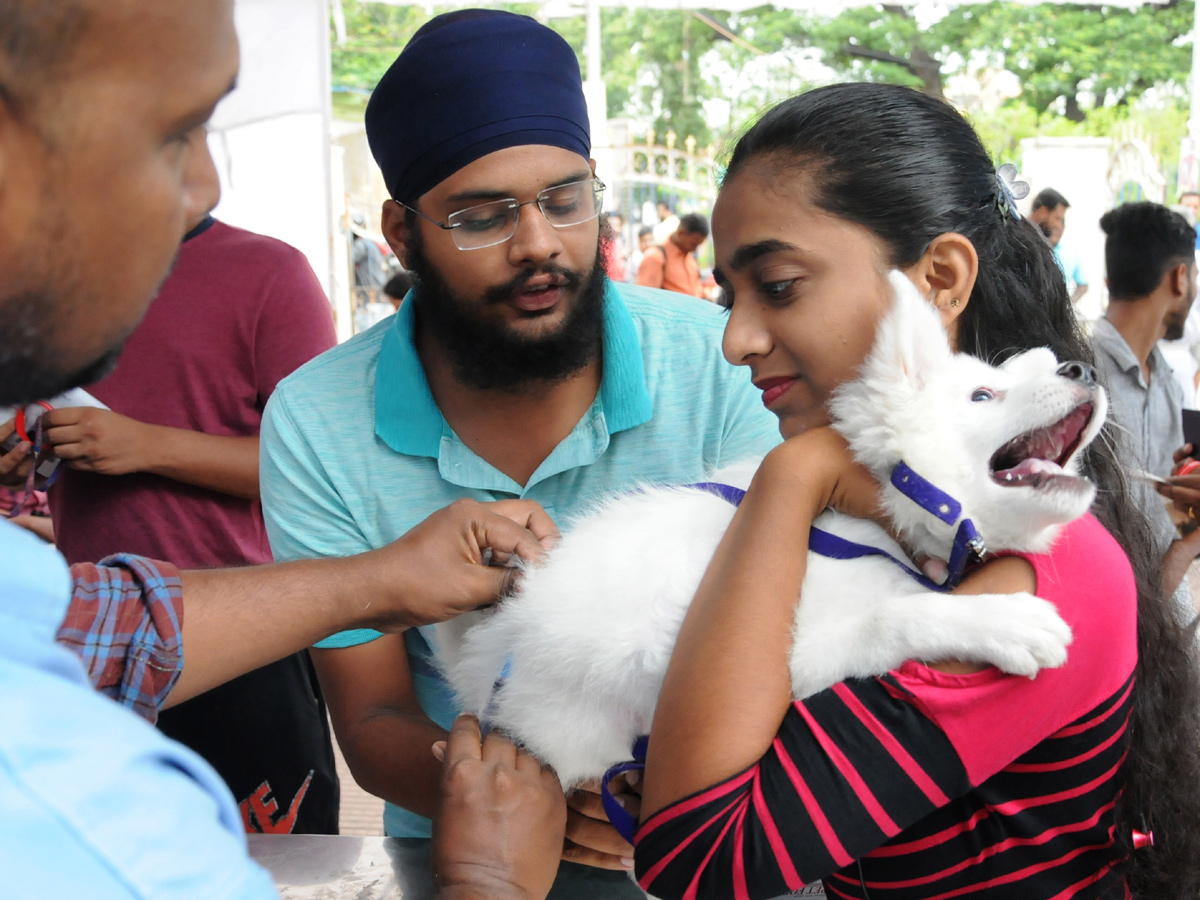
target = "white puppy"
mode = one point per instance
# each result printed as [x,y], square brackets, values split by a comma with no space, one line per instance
[585,640]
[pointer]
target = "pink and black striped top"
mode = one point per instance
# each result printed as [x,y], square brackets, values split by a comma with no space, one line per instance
[921,784]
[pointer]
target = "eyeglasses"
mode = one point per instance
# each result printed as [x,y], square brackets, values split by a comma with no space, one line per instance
[494,223]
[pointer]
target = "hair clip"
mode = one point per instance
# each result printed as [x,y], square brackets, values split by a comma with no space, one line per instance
[1010,190]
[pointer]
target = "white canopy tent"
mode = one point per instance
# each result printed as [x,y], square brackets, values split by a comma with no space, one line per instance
[270,138]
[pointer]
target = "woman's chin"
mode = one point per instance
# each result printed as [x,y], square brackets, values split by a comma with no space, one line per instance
[794,424]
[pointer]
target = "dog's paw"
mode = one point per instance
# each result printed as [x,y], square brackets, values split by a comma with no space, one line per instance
[1029,635]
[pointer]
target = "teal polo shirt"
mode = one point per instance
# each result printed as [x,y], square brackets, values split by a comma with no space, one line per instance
[355,451]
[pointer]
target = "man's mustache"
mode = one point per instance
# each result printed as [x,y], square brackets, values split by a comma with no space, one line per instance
[520,283]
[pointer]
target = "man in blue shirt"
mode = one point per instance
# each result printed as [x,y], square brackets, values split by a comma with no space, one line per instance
[103,158]
[1049,213]
[514,369]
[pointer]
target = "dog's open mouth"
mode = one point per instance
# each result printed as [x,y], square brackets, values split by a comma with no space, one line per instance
[1032,459]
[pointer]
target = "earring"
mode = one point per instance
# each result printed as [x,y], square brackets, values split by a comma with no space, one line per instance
[954,303]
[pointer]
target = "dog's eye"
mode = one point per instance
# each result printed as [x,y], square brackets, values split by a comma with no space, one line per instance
[981,395]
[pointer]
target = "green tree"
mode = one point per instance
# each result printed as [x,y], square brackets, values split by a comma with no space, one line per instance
[1083,57]
[651,64]
[375,34]
[651,59]
[1076,57]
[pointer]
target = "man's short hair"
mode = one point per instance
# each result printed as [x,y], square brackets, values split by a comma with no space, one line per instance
[645,230]
[694,223]
[1145,240]
[37,42]
[1048,198]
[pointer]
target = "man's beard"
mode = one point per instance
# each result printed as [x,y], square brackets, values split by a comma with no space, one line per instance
[49,287]
[489,356]
[27,361]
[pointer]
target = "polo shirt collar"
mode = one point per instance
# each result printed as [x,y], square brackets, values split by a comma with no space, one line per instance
[408,420]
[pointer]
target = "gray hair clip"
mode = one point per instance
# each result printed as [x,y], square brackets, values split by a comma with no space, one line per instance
[1010,190]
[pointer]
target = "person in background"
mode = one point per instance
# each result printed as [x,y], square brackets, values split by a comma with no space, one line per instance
[170,471]
[614,248]
[1049,213]
[1151,272]
[98,804]
[645,240]
[667,222]
[672,266]
[370,265]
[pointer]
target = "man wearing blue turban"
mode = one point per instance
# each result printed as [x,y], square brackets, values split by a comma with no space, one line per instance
[513,369]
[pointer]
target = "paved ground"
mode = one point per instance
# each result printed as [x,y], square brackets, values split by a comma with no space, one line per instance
[361,812]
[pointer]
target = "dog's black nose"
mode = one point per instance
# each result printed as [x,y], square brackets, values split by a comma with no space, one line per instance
[1077,371]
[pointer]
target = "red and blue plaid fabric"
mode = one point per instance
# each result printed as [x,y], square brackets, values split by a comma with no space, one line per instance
[126,623]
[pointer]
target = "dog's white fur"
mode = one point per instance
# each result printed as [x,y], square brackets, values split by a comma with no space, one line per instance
[589,633]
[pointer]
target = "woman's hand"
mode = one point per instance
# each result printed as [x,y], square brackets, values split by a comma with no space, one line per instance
[821,464]
[591,838]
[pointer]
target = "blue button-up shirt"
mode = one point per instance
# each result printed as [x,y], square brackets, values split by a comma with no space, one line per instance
[94,802]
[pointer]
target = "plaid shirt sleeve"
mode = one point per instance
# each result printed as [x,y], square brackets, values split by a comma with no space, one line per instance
[125,622]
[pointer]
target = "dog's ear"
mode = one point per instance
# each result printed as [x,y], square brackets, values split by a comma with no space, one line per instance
[910,348]
[910,343]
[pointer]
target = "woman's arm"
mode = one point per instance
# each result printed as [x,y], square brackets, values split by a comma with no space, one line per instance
[728,686]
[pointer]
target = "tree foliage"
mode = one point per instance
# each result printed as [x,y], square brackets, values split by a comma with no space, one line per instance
[1074,63]
[652,66]
[1069,59]
[1081,57]
[651,59]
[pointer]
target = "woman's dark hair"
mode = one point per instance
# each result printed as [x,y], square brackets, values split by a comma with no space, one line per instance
[909,168]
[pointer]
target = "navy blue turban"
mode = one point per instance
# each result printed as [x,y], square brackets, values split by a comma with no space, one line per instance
[469,83]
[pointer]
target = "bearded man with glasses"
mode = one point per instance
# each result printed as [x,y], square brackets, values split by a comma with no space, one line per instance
[514,368]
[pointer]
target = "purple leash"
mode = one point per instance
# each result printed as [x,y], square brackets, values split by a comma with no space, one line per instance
[968,546]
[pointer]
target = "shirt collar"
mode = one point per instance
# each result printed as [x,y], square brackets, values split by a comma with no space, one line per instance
[408,420]
[206,224]
[1106,337]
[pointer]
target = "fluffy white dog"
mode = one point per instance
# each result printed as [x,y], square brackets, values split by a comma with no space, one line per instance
[584,641]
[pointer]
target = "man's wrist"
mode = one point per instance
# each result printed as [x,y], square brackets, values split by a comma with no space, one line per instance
[364,582]
[474,886]
[153,454]
[478,892]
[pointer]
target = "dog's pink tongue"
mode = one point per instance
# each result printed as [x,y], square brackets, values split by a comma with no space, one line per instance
[1027,468]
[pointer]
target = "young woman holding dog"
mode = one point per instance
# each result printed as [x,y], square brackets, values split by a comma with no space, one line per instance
[939,780]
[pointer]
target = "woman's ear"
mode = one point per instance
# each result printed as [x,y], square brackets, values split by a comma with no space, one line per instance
[945,275]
